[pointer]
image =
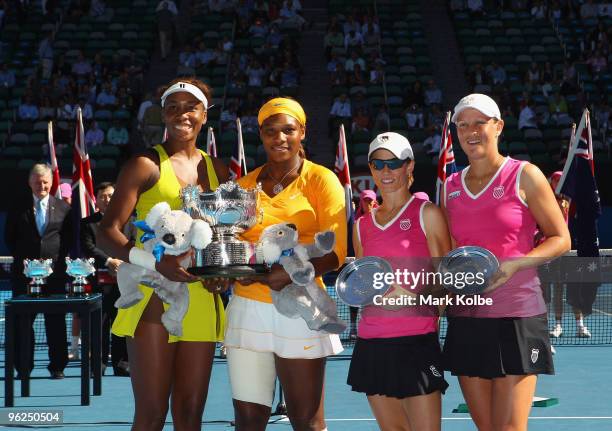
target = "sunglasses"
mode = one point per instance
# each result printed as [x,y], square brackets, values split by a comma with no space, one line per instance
[392,164]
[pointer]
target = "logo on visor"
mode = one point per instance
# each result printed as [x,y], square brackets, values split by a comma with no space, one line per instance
[384,138]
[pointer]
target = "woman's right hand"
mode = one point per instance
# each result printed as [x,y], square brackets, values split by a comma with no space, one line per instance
[171,268]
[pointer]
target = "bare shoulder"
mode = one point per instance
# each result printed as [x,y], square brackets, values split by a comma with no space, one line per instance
[532,177]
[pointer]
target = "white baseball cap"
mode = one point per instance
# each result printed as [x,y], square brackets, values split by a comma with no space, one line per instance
[480,102]
[394,142]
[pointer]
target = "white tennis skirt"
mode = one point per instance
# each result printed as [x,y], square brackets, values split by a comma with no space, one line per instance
[257,326]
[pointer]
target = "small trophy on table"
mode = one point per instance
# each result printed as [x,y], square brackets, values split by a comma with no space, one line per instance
[38,270]
[79,269]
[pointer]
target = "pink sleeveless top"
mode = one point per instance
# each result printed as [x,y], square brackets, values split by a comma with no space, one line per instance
[498,219]
[403,244]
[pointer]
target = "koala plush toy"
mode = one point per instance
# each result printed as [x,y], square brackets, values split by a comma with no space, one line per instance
[171,232]
[303,297]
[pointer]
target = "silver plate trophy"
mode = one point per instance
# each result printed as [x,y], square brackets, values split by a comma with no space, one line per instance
[79,269]
[38,270]
[229,210]
[468,260]
[356,285]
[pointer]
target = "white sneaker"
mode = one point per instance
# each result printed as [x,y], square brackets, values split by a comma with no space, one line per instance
[74,354]
[583,332]
[552,349]
[557,331]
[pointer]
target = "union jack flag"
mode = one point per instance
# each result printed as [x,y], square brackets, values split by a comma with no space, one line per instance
[238,162]
[55,186]
[341,167]
[446,159]
[83,198]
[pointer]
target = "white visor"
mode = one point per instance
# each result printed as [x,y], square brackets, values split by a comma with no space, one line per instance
[187,88]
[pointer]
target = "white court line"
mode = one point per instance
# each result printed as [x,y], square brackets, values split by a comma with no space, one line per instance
[285,419]
[602,312]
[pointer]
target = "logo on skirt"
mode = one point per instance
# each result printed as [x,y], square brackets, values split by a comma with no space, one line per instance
[405,224]
[534,355]
[498,192]
[434,371]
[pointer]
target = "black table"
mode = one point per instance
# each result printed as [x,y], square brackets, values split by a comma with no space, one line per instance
[89,309]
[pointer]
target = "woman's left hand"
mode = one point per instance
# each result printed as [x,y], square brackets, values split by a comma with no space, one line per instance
[505,271]
[217,285]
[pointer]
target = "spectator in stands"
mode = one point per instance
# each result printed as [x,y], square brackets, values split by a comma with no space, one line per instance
[353,41]
[334,41]
[351,24]
[7,77]
[81,67]
[478,76]
[227,45]
[414,117]
[106,98]
[228,117]
[589,10]
[352,60]
[86,109]
[45,55]
[152,125]
[432,94]
[377,74]
[533,75]
[382,122]
[598,63]
[538,10]
[289,76]
[258,29]
[332,64]
[166,15]
[557,107]
[555,12]
[497,74]
[187,57]
[338,78]
[431,144]
[64,110]
[256,74]
[475,7]
[415,95]
[248,121]
[357,77]
[105,281]
[527,117]
[275,37]
[359,101]
[117,134]
[435,116]
[290,14]
[94,135]
[46,110]
[204,54]
[99,11]
[361,121]
[27,109]
[40,228]
[262,343]
[340,113]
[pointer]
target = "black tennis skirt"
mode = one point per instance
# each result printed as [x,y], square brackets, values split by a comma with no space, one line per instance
[397,367]
[496,347]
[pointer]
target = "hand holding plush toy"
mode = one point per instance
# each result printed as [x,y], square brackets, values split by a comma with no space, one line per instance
[303,297]
[166,232]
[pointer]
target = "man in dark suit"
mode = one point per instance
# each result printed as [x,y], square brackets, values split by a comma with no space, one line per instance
[41,229]
[106,283]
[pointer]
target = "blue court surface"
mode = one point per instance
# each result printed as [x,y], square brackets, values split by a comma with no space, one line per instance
[583,385]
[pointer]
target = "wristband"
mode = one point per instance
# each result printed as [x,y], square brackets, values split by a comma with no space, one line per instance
[142,258]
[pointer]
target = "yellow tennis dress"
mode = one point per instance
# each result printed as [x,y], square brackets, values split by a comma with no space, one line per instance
[205,317]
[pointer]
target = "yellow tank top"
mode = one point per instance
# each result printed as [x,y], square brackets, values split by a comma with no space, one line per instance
[168,187]
[205,317]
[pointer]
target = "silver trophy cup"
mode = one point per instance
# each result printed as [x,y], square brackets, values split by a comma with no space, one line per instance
[229,210]
[38,270]
[79,269]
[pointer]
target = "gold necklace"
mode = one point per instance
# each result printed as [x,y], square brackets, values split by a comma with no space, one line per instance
[278,187]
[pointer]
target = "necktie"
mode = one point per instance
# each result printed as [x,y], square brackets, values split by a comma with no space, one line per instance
[41,217]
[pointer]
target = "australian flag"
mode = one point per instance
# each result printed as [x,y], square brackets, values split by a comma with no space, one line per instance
[578,183]
[446,159]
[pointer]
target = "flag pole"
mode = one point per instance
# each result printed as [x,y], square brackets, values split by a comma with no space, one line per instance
[571,150]
[55,186]
[241,145]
